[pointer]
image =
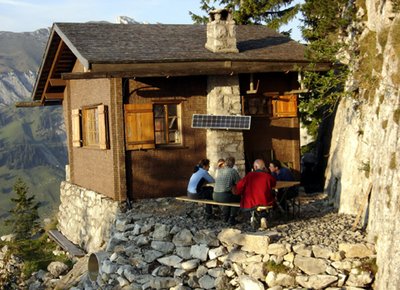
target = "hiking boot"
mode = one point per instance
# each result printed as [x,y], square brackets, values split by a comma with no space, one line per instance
[232,221]
[226,218]
[209,216]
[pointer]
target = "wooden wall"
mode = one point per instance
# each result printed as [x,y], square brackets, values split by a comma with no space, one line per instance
[165,171]
[272,136]
[91,168]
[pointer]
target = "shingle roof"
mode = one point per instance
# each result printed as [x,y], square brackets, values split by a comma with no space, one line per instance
[139,43]
[151,49]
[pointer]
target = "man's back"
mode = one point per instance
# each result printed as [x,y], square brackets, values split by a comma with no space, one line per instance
[227,177]
[255,189]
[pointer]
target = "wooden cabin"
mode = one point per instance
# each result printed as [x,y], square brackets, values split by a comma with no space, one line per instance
[129,93]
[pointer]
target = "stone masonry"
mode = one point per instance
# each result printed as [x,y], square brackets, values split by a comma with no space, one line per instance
[85,217]
[223,98]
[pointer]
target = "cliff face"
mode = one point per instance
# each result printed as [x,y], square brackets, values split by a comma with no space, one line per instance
[365,145]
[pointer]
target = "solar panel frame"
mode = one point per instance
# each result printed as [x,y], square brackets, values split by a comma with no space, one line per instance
[226,122]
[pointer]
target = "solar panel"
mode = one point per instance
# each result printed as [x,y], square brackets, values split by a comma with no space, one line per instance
[221,122]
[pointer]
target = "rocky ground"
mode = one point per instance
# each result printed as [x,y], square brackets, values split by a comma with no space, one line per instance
[317,224]
[168,244]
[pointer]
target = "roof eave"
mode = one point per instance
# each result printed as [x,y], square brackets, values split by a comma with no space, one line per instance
[74,50]
[165,69]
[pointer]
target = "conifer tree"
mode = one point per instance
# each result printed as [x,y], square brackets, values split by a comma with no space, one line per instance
[272,13]
[325,21]
[24,216]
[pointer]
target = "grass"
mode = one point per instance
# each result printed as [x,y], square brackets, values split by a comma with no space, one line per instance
[369,265]
[365,166]
[396,116]
[396,45]
[271,266]
[396,6]
[389,195]
[383,37]
[370,61]
[393,161]
[384,124]
[36,254]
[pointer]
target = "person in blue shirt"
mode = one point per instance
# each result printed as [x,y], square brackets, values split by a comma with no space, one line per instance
[197,186]
[283,174]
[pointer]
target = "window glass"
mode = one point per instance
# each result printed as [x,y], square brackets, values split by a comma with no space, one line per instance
[90,127]
[167,124]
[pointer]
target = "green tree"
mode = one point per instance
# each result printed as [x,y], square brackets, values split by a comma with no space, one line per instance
[272,13]
[24,216]
[325,21]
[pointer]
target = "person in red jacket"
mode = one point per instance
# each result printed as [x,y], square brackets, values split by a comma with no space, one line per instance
[256,188]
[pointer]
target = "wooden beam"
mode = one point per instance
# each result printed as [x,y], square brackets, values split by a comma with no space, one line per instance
[66,244]
[184,69]
[53,65]
[54,96]
[57,82]
[28,104]
[302,91]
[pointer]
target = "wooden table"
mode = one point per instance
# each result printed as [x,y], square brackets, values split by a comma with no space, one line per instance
[285,184]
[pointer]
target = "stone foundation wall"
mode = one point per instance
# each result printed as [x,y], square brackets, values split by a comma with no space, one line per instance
[85,217]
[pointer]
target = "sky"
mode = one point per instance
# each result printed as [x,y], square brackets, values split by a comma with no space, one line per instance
[30,15]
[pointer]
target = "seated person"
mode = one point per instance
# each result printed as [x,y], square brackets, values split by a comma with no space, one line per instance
[256,188]
[220,164]
[283,174]
[197,188]
[226,179]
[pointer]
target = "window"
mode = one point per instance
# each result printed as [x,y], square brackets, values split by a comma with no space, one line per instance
[148,125]
[90,127]
[257,106]
[167,123]
[272,105]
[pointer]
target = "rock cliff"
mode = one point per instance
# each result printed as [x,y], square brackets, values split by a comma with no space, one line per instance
[365,141]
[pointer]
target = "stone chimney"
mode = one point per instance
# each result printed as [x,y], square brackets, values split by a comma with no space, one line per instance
[221,32]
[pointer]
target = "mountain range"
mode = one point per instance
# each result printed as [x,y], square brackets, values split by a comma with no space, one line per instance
[32,140]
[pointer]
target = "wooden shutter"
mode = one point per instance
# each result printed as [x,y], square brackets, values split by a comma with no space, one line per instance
[285,106]
[139,126]
[76,128]
[103,127]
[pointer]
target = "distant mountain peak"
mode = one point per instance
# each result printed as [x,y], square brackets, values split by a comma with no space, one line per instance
[127,20]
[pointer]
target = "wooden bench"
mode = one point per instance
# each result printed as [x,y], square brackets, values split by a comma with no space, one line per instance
[279,184]
[207,201]
[213,202]
[66,244]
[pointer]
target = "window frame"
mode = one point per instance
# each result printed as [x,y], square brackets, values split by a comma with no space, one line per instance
[94,117]
[90,126]
[166,118]
[140,125]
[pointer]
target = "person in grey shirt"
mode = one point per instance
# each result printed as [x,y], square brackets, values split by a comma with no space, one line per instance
[226,179]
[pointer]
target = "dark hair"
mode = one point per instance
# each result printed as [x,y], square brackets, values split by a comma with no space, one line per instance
[204,162]
[276,163]
[230,161]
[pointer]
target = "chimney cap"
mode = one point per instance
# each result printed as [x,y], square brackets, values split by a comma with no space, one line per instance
[223,14]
